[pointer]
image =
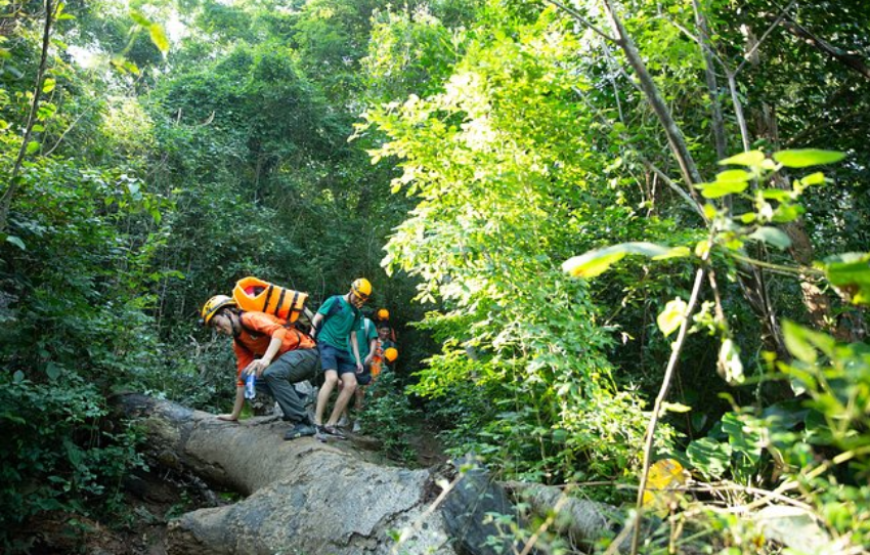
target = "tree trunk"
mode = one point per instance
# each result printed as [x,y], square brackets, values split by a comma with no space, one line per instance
[307,497]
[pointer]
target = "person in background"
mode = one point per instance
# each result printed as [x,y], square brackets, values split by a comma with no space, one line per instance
[276,353]
[385,342]
[335,326]
[367,343]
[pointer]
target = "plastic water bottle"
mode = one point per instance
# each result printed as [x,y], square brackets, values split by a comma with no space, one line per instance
[250,383]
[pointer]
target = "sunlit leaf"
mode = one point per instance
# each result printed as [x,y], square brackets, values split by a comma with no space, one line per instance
[728,364]
[672,317]
[15,240]
[32,147]
[48,85]
[140,18]
[802,158]
[813,179]
[675,407]
[752,158]
[676,252]
[719,189]
[664,476]
[596,262]
[158,37]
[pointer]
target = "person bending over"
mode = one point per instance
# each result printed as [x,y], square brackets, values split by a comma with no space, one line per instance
[278,355]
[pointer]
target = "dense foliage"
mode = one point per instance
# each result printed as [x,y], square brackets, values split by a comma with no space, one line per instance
[456,153]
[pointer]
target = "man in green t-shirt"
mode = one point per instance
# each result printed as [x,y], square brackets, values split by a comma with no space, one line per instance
[334,327]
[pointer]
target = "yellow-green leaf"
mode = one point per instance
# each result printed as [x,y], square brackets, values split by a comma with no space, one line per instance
[48,85]
[671,318]
[591,264]
[813,179]
[752,158]
[158,37]
[140,18]
[32,147]
[802,158]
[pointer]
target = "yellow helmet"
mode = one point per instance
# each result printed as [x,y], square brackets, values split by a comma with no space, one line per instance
[213,305]
[391,354]
[361,288]
[383,314]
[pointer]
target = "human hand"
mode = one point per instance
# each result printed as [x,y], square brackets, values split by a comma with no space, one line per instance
[359,368]
[258,367]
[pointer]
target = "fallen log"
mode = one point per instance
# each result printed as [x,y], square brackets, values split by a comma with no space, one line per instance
[303,496]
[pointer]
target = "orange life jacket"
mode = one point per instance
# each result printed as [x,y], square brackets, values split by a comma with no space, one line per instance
[255,295]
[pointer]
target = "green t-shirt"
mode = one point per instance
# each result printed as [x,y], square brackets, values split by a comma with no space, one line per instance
[339,318]
[363,339]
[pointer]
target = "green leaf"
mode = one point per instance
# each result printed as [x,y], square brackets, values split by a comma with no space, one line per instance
[751,158]
[48,85]
[32,147]
[772,236]
[140,18]
[671,318]
[802,158]
[158,37]
[778,195]
[796,343]
[52,370]
[744,435]
[15,240]
[18,376]
[675,407]
[728,364]
[719,189]
[596,262]
[710,456]
[817,178]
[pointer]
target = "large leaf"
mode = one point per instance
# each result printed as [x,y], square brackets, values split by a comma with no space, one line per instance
[850,272]
[802,158]
[744,435]
[596,262]
[751,158]
[158,37]
[727,183]
[710,456]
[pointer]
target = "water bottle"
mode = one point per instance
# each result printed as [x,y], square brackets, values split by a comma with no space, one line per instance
[250,382]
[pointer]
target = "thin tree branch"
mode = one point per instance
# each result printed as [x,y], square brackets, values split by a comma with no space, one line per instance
[777,21]
[850,59]
[675,136]
[663,393]
[576,15]
[14,181]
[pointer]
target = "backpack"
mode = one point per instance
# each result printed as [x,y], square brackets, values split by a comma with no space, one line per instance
[253,294]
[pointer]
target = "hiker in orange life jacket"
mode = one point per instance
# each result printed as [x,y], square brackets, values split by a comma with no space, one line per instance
[335,326]
[278,355]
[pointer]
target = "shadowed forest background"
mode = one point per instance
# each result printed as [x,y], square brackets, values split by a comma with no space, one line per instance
[460,154]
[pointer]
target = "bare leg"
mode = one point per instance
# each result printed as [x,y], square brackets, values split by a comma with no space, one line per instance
[329,381]
[343,398]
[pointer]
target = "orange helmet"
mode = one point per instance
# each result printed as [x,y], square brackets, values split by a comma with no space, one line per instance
[391,354]
[212,307]
[383,314]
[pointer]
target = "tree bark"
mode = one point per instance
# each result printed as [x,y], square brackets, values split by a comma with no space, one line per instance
[307,497]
